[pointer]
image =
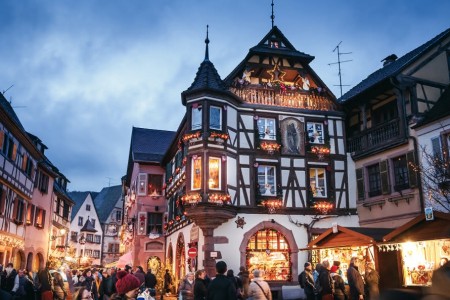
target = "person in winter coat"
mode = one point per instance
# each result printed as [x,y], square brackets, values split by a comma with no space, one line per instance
[258,288]
[8,277]
[89,283]
[306,280]
[20,286]
[339,285]
[244,276]
[200,289]
[372,278]
[150,279]
[45,283]
[326,282]
[186,288]
[237,283]
[59,292]
[220,288]
[127,286]
[167,282]
[355,280]
[139,273]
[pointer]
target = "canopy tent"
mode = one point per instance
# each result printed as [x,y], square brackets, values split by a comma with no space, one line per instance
[126,259]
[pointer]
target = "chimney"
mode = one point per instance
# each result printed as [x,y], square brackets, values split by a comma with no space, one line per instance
[389,59]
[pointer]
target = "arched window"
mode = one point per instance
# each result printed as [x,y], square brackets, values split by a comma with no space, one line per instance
[269,251]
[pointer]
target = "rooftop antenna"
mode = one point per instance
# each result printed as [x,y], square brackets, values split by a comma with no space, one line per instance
[339,62]
[272,16]
[109,181]
[207,43]
[4,91]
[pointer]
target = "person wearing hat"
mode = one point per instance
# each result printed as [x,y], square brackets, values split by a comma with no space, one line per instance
[339,285]
[127,286]
[259,289]
[306,281]
[221,288]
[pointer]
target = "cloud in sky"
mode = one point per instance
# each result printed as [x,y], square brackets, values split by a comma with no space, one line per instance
[85,72]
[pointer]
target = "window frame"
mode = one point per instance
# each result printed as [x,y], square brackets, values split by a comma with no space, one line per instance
[80,221]
[324,187]
[374,180]
[220,124]
[197,117]
[197,176]
[155,220]
[219,173]
[310,133]
[403,169]
[264,186]
[271,135]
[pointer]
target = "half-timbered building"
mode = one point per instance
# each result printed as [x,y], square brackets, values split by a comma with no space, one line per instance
[381,113]
[257,164]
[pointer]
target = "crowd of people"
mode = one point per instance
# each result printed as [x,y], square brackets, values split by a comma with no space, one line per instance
[67,284]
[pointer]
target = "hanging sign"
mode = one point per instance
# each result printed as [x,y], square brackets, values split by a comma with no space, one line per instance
[429,216]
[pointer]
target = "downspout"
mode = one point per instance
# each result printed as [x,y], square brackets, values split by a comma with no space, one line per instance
[409,136]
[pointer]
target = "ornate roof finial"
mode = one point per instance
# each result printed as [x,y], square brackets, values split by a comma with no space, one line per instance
[207,42]
[272,16]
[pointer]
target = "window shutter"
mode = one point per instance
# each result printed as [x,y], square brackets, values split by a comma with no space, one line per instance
[24,210]
[384,175]
[436,147]
[24,162]
[411,161]
[2,200]
[142,184]
[16,204]
[360,183]
[2,138]
[14,154]
[43,218]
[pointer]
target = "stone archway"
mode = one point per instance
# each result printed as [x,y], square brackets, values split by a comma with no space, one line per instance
[180,258]
[287,233]
[29,264]
[38,262]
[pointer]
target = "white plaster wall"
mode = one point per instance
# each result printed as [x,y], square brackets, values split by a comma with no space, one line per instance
[351,181]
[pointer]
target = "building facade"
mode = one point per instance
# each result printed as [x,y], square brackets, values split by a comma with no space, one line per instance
[381,113]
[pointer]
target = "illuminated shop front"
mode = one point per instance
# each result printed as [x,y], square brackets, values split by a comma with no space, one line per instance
[269,251]
[420,245]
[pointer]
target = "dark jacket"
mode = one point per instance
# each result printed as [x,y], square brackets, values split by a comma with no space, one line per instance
[355,282]
[221,288]
[339,287]
[8,280]
[90,285]
[200,289]
[372,278]
[140,275]
[308,281]
[326,282]
[44,280]
[187,289]
[150,280]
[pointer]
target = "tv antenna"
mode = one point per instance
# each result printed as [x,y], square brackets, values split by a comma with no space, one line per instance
[339,62]
[109,181]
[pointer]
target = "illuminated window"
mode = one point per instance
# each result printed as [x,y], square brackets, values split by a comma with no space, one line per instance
[215,118]
[267,180]
[316,133]
[266,129]
[196,173]
[196,118]
[30,214]
[155,184]
[214,173]
[318,182]
[268,250]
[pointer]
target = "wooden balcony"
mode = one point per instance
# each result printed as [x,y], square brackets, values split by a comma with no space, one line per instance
[375,138]
[256,94]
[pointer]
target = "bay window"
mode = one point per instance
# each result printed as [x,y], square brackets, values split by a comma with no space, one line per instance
[196,117]
[214,177]
[215,118]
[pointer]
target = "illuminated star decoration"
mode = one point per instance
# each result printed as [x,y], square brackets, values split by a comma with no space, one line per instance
[240,222]
[276,75]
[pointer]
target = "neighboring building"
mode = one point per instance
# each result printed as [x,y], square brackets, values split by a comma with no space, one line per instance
[109,205]
[86,232]
[18,164]
[145,205]
[380,113]
[433,136]
[257,167]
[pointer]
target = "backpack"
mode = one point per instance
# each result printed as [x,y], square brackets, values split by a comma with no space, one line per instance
[302,279]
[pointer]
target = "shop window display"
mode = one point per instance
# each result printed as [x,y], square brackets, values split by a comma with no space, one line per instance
[269,251]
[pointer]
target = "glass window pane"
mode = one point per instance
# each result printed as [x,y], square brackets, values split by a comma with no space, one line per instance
[215,118]
[196,117]
[196,173]
[267,180]
[214,173]
[266,129]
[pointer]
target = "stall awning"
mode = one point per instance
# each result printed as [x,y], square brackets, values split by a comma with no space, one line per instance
[419,229]
[126,259]
[348,236]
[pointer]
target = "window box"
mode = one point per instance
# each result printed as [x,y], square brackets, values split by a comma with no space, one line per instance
[192,137]
[219,198]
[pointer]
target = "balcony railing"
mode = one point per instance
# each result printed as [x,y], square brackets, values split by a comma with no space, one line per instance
[256,94]
[375,137]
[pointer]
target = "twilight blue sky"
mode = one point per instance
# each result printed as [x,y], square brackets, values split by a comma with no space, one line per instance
[84,72]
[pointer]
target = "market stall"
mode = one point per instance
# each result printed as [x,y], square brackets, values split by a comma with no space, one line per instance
[420,244]
[342,243]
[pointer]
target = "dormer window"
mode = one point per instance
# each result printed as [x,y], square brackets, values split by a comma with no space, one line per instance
[196,117]
[215,118]
[266,128]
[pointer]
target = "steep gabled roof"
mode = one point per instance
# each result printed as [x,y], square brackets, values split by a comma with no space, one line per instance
[207,77]
[439,110]
[150,145]
[10,111]
[106,201]
[88,227]
[78,198]
[394,68]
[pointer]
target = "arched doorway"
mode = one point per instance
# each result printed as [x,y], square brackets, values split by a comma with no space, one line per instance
[169,258]
[154,264]
[29,265]
[38,262]
[19,260]
[272,248]
[180,259]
